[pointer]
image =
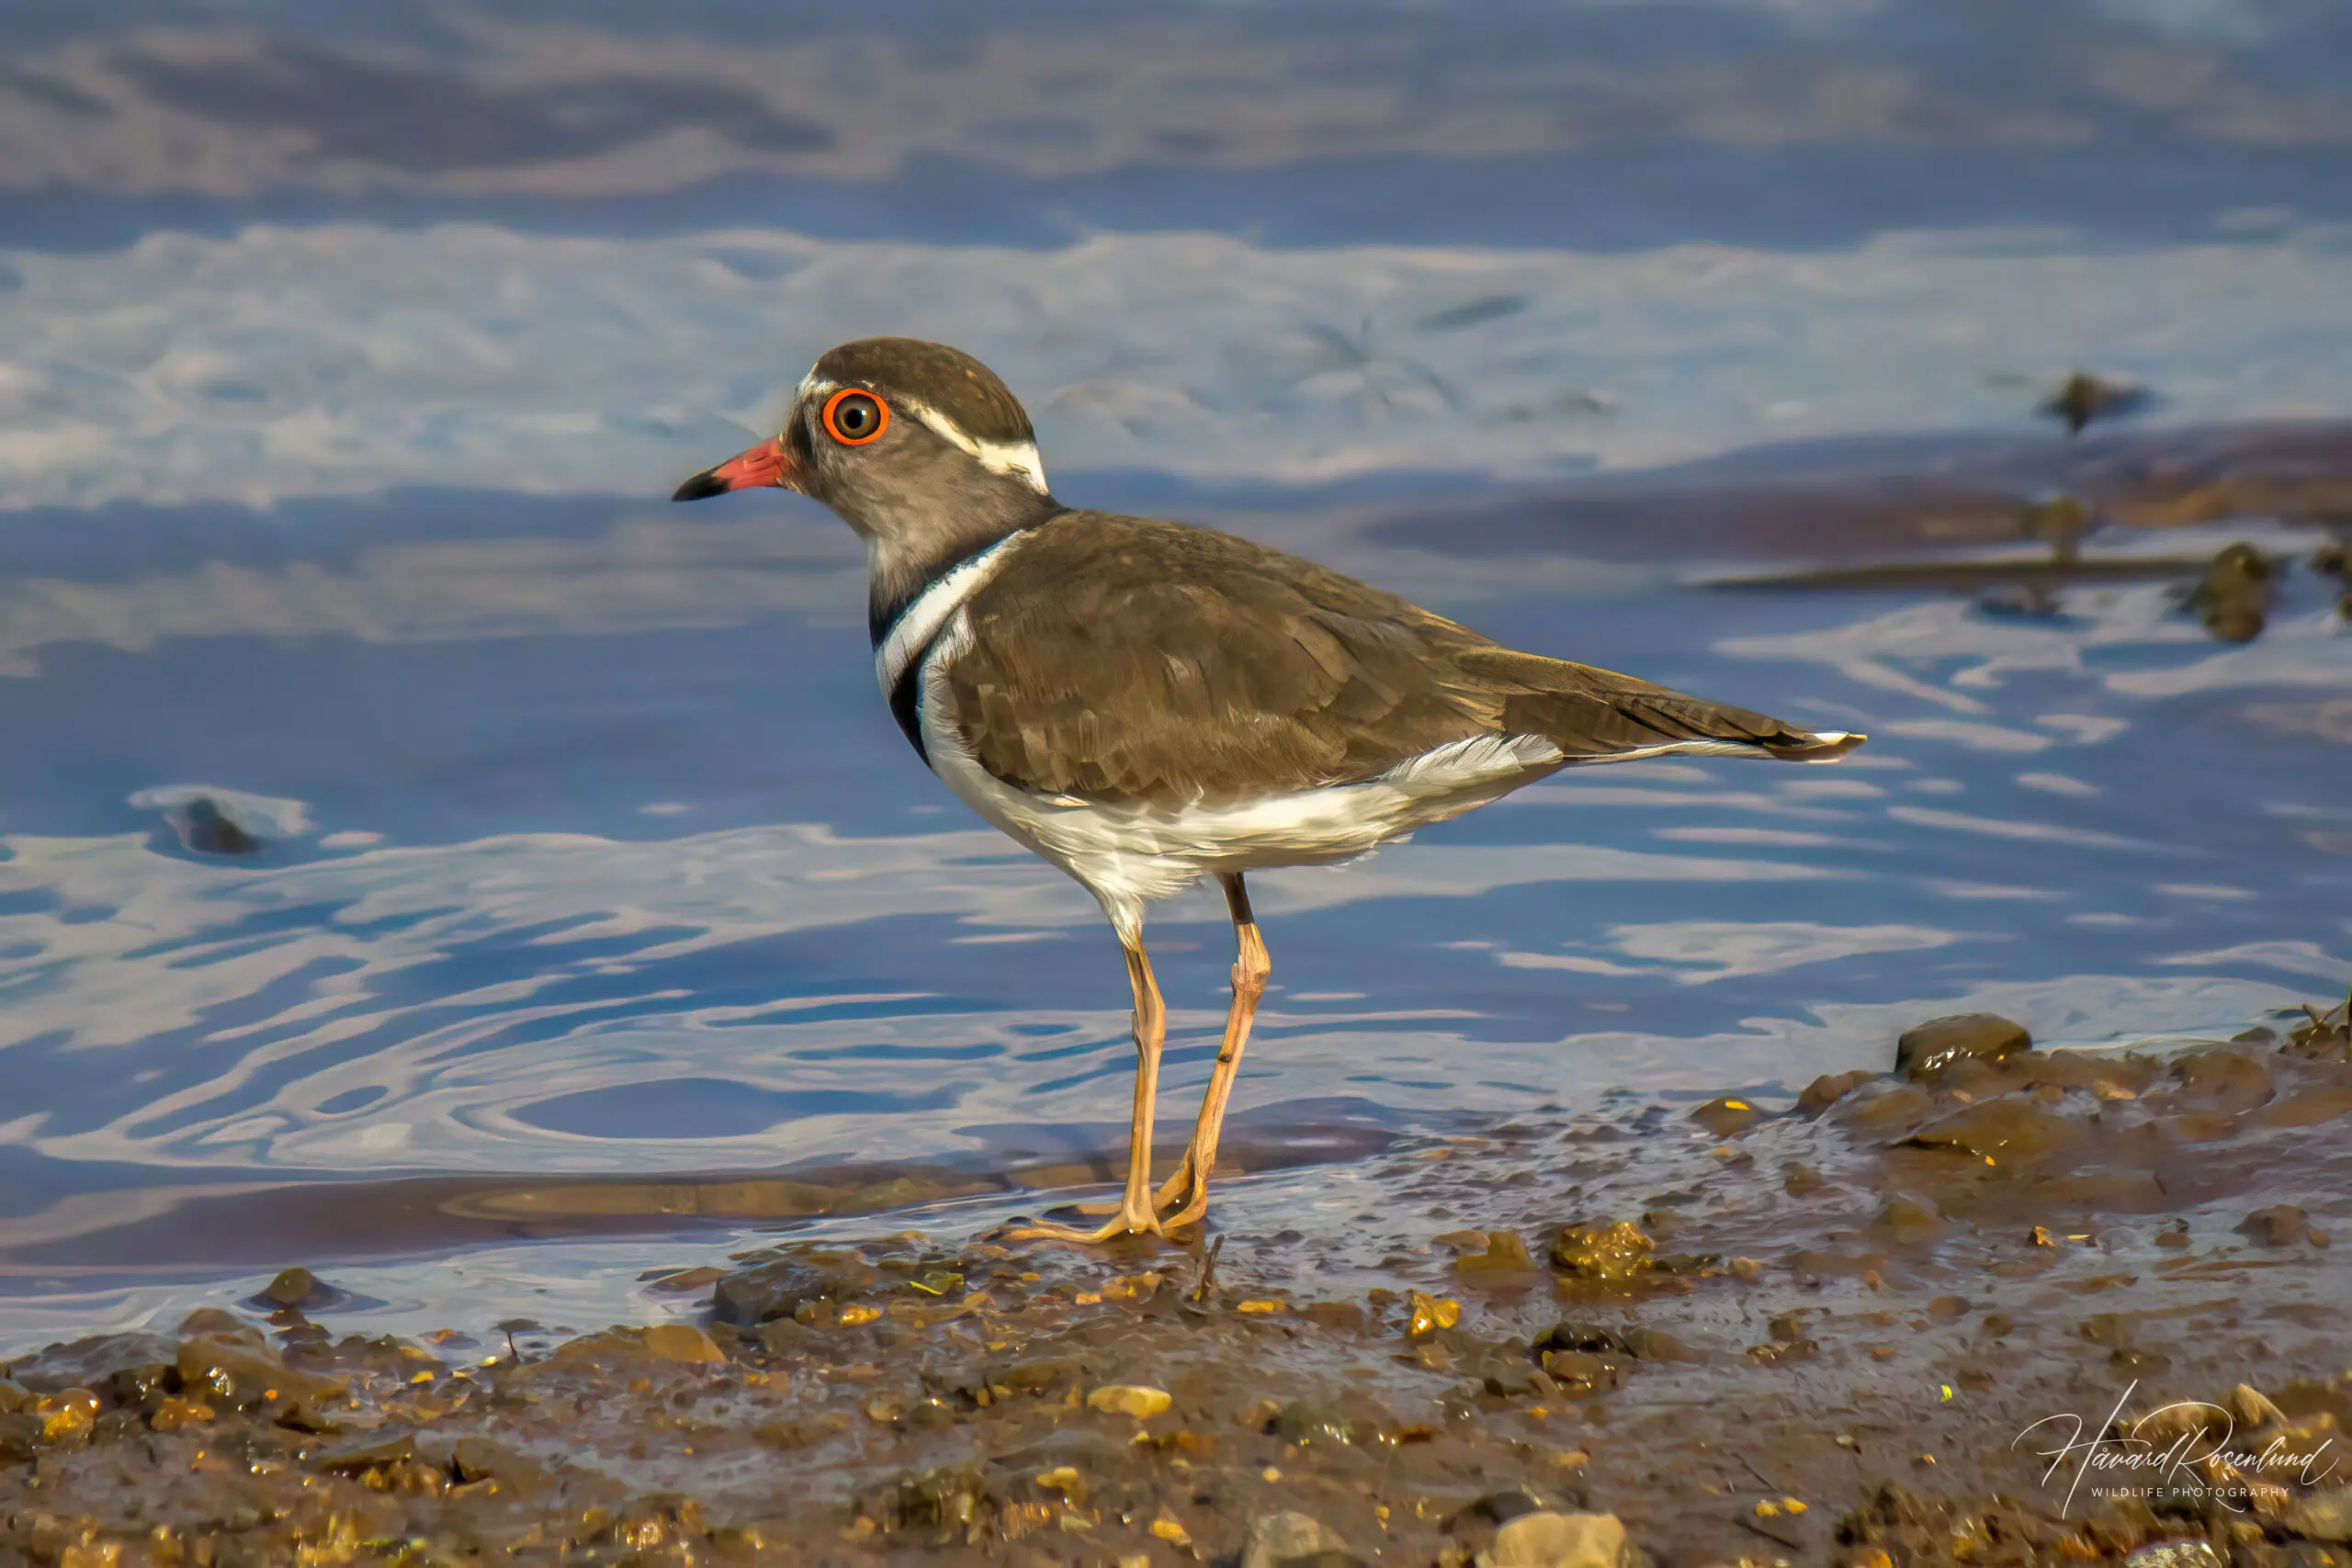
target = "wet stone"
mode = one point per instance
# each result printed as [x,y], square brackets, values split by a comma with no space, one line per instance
[783,1288]
[1503,1253]
[292,1287]
[1645,1344]
[222,1372]
[20,1437]
[206,829]
[1290,1539]
[2004,1134]
[1725,1117]
[1829,1089]
[1927,1049]
[1129,1399]
[681,1342]
[2224,1080]
[1613,1252]
[2323,1516]
[1545,1539]
[1579,1372]
[2282,1224]
[2234,598]
[1906,1220]
[363,1454]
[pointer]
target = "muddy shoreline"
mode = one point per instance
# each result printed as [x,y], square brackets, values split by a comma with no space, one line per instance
[1854,1329]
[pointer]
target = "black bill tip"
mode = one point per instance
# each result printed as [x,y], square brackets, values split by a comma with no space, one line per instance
[701,487]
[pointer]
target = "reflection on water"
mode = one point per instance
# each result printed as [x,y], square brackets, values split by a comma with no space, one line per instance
[413,836]
[2097,821]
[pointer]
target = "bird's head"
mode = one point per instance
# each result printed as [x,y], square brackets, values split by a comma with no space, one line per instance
[898,437]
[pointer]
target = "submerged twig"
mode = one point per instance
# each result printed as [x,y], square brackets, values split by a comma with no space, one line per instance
[1208,1269]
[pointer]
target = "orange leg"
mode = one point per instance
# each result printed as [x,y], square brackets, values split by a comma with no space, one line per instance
[1136,1215]
[1250,967]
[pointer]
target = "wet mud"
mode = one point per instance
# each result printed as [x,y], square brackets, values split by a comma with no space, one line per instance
[1854,499]
[1998,1305]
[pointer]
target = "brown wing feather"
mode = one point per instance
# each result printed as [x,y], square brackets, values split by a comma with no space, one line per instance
[1123,658]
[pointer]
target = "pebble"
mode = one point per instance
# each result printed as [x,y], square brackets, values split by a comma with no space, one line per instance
[1544,1540]
[1828,1089]
[681,1342]
[2323,1515]
[292,1287]
[1725,1117]
[2185,1553]
[1129,1399]
[1288,1536]
[1938,1043]
[2283,1225]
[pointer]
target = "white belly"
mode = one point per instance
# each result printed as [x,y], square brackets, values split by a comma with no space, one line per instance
[1128,856]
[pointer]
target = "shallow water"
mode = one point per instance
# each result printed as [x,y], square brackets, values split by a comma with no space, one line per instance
[571,838]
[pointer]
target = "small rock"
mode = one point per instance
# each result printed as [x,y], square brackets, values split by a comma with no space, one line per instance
[1493,1509]
[219,1373]
[1431,1314]
[1504,1253]
[1277,1539]
[686,1279]
[2323,1515]
[2186,1552]
[1601,1252]
[2234,598]
[2283,1225]
[66,1418]
[1544,1540]
[2252,1407]
[1579,1372]
[1657,1344]
[2083,398]
[681,1342]
[206,829]
[363,1454]
[1129,1399]
[479,1458]
[783,1288]
[1938,1043]
[1725,1117]
[292,1287]
[950,1496]
[19,1436]
[1906,1220]
[1829,1089]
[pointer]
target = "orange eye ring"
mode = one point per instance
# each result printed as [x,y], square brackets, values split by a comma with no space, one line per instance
[851,437]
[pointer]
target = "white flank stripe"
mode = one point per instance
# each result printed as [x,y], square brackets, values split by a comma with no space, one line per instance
[920,621]
[1128,856]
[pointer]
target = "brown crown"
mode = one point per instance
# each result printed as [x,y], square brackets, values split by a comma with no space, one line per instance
[947,379]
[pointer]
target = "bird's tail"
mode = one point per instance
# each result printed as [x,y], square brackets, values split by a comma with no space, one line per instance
[1599,716]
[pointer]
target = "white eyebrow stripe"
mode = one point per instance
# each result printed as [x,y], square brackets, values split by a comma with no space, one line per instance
[1018,458]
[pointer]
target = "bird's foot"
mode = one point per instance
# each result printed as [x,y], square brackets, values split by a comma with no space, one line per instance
[1132,1218]
[1181,1187]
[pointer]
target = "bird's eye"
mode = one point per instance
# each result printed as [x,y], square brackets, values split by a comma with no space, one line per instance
[853,417]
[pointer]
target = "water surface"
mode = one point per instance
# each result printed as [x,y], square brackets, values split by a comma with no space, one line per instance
[402,807]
